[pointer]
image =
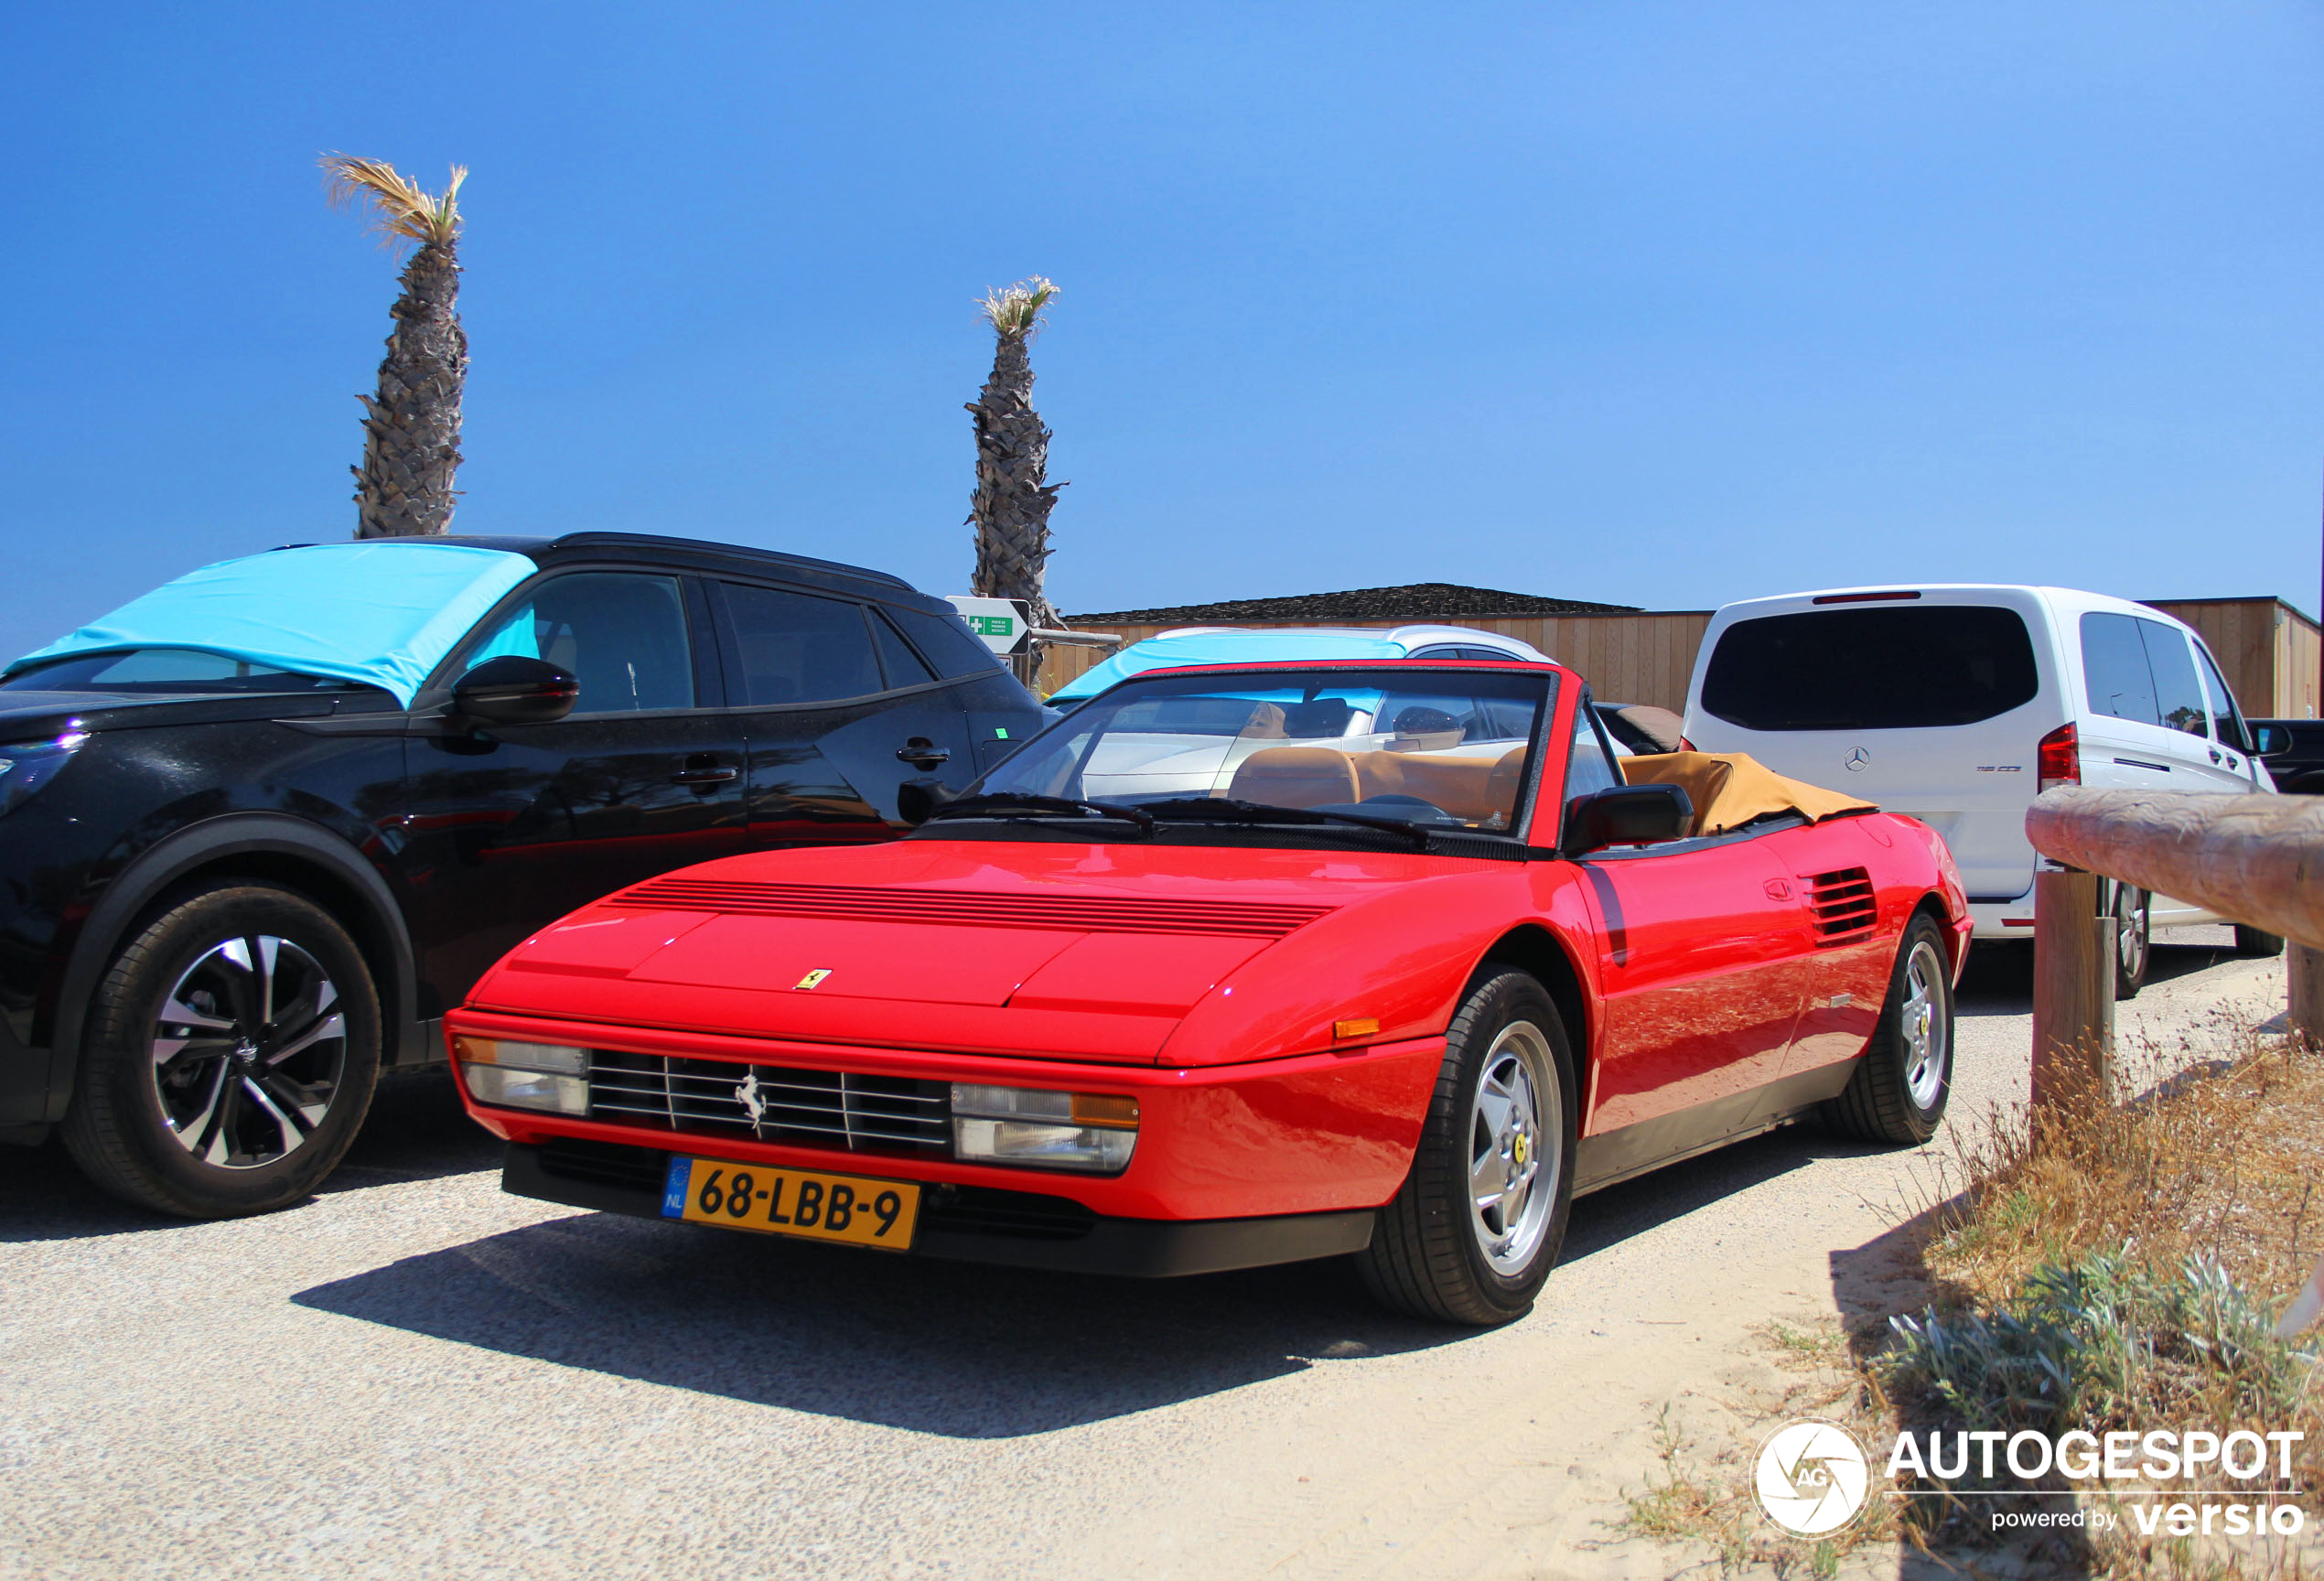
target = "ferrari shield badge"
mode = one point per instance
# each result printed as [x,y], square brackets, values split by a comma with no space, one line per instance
[812,978]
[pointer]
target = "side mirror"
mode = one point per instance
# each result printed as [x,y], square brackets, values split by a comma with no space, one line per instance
[514,689]
[1628,815]
[916,799]
[2273,740]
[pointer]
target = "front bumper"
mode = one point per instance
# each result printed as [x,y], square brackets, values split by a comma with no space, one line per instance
[1015,1229]
[1316,1133]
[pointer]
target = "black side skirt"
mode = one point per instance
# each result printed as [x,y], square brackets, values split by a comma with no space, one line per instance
[1616,1156]
[1139,1248]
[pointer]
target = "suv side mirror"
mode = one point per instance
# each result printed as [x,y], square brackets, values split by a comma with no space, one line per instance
[514,689]
[2273,740]
[1628,815]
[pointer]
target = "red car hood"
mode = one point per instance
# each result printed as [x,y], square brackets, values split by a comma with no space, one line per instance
[1063,951]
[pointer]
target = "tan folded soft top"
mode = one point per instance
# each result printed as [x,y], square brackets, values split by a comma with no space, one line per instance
[1731,789]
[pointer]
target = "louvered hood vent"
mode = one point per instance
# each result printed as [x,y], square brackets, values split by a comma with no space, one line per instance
[1843,904]
[964,908]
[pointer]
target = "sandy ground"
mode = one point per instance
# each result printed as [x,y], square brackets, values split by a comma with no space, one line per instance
[414,1375]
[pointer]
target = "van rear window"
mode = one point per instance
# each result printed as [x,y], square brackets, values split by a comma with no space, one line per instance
[1884,669]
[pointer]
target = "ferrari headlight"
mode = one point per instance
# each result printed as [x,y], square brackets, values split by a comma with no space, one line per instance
[1042,1129]
[515,1075]
[26,765]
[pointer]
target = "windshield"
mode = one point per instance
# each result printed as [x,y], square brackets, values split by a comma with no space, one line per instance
[165,670]
[1428,749]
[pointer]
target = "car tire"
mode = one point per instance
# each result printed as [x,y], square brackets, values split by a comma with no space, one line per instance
[1898,1092]
[2257,944]
[279,1033]
[1504,1096]
[2132,911]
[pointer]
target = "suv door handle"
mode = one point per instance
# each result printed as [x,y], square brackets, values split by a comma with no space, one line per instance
[2214,754]
[704,776]
[921,753]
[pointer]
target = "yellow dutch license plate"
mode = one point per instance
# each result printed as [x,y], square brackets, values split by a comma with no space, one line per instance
[809,1203]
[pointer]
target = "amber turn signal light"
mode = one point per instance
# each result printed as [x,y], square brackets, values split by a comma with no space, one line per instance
[1362,1027]
[1091,1109]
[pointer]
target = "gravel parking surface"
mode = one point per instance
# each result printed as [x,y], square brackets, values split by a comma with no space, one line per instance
[414,1375]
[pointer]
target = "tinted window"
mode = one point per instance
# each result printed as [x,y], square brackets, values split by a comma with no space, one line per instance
[2116,674]
[623,637]
[895,656]
[2178,696]
[796,647]
[1886,669]
[945,642]
[2227,721]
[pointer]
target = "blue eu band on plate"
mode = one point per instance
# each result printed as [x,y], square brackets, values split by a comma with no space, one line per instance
[818,1207]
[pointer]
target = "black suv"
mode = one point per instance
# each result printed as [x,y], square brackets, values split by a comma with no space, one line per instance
[2292,750]
[231,890]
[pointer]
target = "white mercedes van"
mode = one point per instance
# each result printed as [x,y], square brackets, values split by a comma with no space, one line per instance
[1960,703]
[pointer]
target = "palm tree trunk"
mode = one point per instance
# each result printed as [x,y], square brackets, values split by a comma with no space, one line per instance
[411,427]
[1011,504]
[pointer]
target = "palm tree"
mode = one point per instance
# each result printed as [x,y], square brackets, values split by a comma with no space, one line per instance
[411,427]
[1010,508]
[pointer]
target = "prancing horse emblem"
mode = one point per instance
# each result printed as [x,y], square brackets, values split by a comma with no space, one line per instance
[1857,760]
[812,978]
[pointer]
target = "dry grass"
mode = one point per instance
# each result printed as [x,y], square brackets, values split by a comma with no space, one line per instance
[1695,1498]
[2122,1270]
[2220,1161]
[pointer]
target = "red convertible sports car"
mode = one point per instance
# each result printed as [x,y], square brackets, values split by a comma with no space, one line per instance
[1242,966]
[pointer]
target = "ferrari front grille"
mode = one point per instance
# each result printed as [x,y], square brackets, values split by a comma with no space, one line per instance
[1843,904]
[970,908]
[771,1103]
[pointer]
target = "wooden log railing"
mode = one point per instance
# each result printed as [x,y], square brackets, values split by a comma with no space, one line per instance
[2256,860]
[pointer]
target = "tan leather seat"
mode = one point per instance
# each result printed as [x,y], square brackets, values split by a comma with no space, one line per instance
[1473,789]
[1296,777]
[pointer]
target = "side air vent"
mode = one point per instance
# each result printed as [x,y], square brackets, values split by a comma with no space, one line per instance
[1084,914]
[1843,904]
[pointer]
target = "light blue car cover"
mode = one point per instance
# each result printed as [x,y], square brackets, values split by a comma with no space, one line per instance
[1221,648]
[382,613]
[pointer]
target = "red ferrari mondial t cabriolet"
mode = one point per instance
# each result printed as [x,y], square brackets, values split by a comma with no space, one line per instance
[1237,967]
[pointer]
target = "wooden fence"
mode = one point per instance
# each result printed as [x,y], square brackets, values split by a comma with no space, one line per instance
[2269,650]
[1643,658]
[2257,860]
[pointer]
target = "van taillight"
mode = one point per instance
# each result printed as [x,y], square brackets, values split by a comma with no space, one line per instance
[2060,758]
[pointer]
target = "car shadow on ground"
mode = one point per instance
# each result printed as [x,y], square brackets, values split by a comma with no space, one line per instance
[951,1349]
[416,1131]
[957,1349]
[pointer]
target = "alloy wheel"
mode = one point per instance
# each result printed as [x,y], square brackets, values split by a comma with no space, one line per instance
[1926,1034]
[1515,1160]
[2130,932]
[249,1049]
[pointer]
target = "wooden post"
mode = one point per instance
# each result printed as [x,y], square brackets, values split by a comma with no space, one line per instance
[2073,1040]
[2305,967]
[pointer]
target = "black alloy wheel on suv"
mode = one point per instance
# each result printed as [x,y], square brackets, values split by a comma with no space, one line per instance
[230,894]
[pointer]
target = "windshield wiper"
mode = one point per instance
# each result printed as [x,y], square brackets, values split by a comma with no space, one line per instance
[1005,802]
[1219,810]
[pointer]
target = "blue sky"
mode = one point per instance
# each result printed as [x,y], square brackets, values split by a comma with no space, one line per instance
[1656,304]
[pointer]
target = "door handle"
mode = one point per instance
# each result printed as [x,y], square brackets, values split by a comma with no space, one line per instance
[921,753]
[2214,754]
[704,776]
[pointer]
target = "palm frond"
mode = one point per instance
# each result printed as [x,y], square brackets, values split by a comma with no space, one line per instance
[1017,310]
[401,208]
